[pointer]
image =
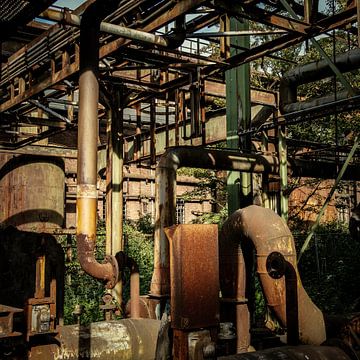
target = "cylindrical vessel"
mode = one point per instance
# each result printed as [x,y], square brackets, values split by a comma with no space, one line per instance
[32,190]
[127,339]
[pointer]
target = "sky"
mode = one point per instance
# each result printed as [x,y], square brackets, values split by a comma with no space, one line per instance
[71,4]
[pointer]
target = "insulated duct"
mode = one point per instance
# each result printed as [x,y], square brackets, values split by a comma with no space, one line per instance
[311,72]
[267,233]
[86,201]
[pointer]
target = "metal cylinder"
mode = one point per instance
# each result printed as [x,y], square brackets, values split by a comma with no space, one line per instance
[128,339]
[267,232]
[32,190]
[293,353]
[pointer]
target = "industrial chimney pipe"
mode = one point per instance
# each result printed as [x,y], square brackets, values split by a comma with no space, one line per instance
[86,200]
[268,233]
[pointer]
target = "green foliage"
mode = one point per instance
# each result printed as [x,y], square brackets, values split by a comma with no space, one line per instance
[140,247]
[330,269]
[81,289]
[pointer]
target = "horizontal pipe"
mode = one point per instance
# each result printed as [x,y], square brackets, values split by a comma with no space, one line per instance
[118,30]
[314,71]
[126,339]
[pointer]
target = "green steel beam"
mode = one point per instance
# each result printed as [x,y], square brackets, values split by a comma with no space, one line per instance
[238,113]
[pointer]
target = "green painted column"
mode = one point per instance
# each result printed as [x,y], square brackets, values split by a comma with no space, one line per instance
[238,115]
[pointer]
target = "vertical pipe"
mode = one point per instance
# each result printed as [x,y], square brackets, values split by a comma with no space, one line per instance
[86,202]
[134,289]
[283,173]
[264,176]
[40,277]
[177,116]
[152,131]
[117,243]
[108,190]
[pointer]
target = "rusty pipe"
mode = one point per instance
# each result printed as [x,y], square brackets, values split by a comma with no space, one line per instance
[86,200]
[134,289]
[165,195]
[125,261]
[267,232]
[70,18]
[313,71]
[165,190]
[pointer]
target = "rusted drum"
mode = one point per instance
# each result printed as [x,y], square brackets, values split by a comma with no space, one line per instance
[293,353]
[127,339]
[32,192]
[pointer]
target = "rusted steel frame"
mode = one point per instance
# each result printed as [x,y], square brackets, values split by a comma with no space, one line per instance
[86,201]
[267,232]
[152,131]
[45,134]
[48,110]
[31,120]
[327,24]
[264,17]
[50,81]
[178,9]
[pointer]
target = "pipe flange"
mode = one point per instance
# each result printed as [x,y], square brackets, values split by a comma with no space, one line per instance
[110,259]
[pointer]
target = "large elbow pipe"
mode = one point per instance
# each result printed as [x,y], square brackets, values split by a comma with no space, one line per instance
[268,233]
[86,200]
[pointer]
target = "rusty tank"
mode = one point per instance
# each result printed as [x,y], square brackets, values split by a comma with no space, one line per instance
[34,188]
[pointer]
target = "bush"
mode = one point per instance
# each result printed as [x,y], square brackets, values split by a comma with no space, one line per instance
[81,289]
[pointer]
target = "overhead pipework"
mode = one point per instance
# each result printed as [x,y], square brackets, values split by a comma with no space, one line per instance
[311,72]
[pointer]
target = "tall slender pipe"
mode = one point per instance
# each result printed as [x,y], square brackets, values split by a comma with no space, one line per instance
[86,201]
[267,232]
